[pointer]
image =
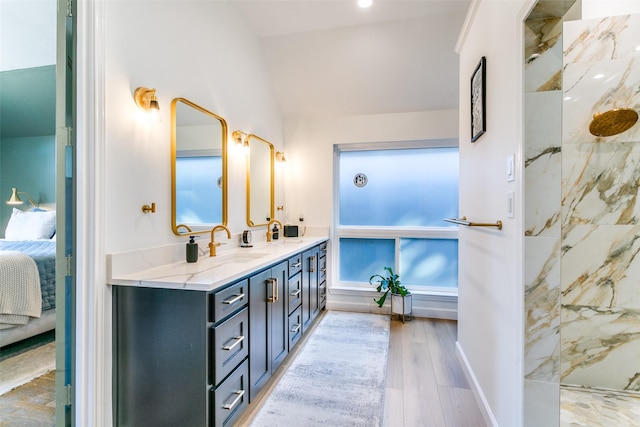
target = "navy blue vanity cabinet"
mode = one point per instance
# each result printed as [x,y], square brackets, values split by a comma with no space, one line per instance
[229,341]
[268,318]
[322,276]
[180,357]
[294,295]
[161,357]
[310,308]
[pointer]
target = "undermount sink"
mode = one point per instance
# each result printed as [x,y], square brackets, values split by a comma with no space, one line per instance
[238,257]
[292,240]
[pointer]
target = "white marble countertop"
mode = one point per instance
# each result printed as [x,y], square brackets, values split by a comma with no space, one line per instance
[208,273]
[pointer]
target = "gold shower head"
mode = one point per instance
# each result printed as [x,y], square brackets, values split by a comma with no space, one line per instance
[613,122]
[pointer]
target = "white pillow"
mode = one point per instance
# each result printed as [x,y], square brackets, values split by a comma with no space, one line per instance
[30,225]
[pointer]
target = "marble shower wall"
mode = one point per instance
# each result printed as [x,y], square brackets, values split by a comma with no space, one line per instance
[600,211]
[542,161]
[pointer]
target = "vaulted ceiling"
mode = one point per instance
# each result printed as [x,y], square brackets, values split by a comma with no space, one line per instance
[330,57]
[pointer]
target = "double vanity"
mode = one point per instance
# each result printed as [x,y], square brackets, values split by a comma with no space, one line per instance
[195,342]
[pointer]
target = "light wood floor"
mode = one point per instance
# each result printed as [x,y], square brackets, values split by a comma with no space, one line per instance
[32,404]
[425,383]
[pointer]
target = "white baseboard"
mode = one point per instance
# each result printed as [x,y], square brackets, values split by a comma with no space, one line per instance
[475,387]
[434,307]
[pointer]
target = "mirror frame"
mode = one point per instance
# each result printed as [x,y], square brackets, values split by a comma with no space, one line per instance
[250,223]
[174,226]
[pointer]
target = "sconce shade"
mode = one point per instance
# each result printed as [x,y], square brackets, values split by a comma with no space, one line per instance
[239,137]
[146,99]
[14,199]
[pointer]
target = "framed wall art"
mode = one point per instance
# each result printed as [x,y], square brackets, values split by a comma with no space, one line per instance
[478,100]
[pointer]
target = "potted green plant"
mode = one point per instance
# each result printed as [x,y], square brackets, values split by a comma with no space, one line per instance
[400,296]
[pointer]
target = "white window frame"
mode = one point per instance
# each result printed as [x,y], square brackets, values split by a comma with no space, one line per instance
[383,232]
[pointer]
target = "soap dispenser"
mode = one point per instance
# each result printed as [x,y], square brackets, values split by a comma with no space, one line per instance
[192,250]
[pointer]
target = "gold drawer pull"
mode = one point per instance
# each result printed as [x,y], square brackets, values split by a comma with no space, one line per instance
[230,406]
[237,298]
[238,340]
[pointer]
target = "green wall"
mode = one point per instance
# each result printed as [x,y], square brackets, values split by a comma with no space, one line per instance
[29,164]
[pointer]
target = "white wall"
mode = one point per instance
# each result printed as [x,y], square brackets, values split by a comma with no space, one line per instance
[490,316]
[490,296]
[200,51]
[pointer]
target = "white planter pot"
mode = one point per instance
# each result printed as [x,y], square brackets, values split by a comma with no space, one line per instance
[398,306]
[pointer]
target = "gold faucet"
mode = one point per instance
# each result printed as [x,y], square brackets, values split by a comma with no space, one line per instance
[212,243]
[269,233]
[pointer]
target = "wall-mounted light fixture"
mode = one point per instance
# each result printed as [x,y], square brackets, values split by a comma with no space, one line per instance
[240,138]
[280,158]
[146,99]
[16,200]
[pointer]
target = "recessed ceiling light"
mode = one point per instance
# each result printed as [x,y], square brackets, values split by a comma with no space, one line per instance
[365,3]
[598,76]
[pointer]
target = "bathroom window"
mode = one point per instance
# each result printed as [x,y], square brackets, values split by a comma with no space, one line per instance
[390,203]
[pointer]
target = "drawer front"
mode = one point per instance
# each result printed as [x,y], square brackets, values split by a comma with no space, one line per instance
[295,264]
[295,292]
[229,300]
[230,399]
[323,249]
[322,295]
[230,345]
[295,327]
[322,269]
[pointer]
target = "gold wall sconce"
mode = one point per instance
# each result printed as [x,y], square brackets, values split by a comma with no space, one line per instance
[240,138]
[16,200]
[146,100]
[149,209]
[280,158]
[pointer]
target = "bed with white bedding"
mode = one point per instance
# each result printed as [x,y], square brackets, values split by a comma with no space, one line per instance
[27,276]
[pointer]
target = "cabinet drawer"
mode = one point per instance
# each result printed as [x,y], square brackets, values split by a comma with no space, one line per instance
[231,397]
[322,295]
[323,249]
[295,264]
[295,327]
[230,342]
[322,269]
[295,292]
[229,300]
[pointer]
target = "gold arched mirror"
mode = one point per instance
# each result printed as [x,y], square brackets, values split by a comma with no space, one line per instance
[198,168]
[260,193]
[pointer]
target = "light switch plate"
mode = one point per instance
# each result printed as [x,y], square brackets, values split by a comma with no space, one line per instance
[511,200]
[511,168]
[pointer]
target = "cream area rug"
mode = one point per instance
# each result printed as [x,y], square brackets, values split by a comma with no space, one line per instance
[337,379]
[25,367]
